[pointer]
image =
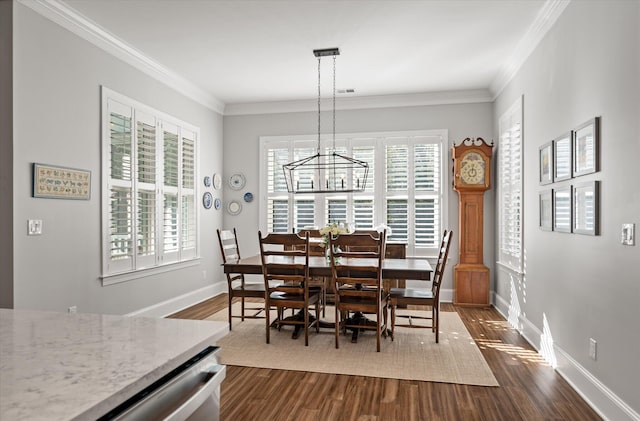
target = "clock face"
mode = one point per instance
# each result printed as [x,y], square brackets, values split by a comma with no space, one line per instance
[472,169]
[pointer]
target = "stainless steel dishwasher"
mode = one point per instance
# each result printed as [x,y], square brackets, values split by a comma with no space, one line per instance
[190,392]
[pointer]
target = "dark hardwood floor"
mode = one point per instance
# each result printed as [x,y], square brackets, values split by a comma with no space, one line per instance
[529,388]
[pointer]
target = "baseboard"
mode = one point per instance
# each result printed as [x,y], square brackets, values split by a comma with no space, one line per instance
[606,403]
[181,302]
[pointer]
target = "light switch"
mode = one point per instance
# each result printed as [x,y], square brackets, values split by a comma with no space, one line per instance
[35,227]
[628,234]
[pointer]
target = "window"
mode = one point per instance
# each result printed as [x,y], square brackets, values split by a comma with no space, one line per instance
[149,214]
[510,187]
[404,189]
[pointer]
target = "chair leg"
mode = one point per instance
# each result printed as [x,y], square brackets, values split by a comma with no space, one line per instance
[230,316]
[318,317]
[266,317]
[306,325]
[242,314]
[393,319]
[436,321]
[378,317]
[337,328]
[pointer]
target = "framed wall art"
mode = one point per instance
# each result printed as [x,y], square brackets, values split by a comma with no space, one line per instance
[562,209]
[546,210]
[585,147]
[562,154]
[546,163]
[54,182]
[586,203]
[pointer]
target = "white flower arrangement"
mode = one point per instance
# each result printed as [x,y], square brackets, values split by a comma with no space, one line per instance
[332,229]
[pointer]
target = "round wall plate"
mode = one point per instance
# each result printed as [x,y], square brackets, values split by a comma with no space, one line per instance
[217,203]
[234,207]
[207,181]
[248,197]
[217,181]
[237,181]
[207,200]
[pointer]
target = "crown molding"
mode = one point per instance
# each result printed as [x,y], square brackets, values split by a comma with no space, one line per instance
[362,102]
[67,17]
[545,20]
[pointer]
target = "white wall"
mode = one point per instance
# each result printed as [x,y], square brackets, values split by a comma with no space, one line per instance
[241,154]
[57,79]
[585,287]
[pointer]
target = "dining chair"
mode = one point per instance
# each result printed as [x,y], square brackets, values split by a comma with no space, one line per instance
[356,267]
[316,248]
[285,259]
[236,284]
[422,296]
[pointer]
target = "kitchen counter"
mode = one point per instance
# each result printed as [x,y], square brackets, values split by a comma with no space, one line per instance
[60,366]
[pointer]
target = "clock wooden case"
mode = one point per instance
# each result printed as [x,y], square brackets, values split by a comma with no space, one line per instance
[471,178]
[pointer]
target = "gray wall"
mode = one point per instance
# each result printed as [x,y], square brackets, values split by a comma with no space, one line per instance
[57,79]
[6,154]
[241,154]
[585,287]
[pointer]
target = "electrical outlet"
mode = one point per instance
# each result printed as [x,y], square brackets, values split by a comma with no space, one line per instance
[592,348]
[628,234]
[72,309]
[34,227]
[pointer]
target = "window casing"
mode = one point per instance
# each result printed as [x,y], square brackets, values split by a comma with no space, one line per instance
[404,188]
[149,169]
[510,187]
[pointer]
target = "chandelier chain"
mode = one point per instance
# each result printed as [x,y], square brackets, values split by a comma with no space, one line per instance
[334,103]
[318,150]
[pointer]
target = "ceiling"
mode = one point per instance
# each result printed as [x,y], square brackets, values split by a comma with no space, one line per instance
[243,52]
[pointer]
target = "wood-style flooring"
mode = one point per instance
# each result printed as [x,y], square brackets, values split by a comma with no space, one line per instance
[529,388]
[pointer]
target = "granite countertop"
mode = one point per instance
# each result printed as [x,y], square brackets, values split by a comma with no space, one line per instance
[60,366]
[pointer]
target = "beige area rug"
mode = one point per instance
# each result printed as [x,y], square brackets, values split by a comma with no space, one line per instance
[413,355]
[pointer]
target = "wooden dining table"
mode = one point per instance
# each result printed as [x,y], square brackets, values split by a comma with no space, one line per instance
[418,269]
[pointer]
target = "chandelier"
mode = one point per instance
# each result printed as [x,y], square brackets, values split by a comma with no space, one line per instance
[328,172]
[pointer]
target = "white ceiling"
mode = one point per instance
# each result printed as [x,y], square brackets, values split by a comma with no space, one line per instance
[243,52]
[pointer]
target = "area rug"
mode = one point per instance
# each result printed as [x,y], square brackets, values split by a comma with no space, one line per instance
[412,355]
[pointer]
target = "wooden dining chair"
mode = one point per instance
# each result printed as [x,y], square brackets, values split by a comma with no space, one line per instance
[236,284]
[422,296]
[316,248]
[356,267]
[285,259]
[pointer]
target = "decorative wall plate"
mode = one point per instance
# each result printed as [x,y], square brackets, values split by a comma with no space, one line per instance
[237,181]
[217,203]
[207,200]
[207,181]
[217,181]
[248,197]
[234,207]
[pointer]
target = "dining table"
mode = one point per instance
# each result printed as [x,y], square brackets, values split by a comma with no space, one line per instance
[410,268]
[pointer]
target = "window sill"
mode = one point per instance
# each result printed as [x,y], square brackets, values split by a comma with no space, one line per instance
[141,273]
[510,268]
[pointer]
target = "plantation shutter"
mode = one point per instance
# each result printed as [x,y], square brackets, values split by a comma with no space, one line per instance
[170,214]
[404,186]
[119,243]
[510,187]
[146,171]
[278,200]
[427,184]
[188,233]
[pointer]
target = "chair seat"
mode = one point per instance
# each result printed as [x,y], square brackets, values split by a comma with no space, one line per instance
[411,293]
[284,296]
[250,290]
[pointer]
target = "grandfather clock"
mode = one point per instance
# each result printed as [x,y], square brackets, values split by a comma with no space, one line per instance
[471,178]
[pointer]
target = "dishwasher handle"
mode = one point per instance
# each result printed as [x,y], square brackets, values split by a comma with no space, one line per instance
[178,394]
[200,395]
